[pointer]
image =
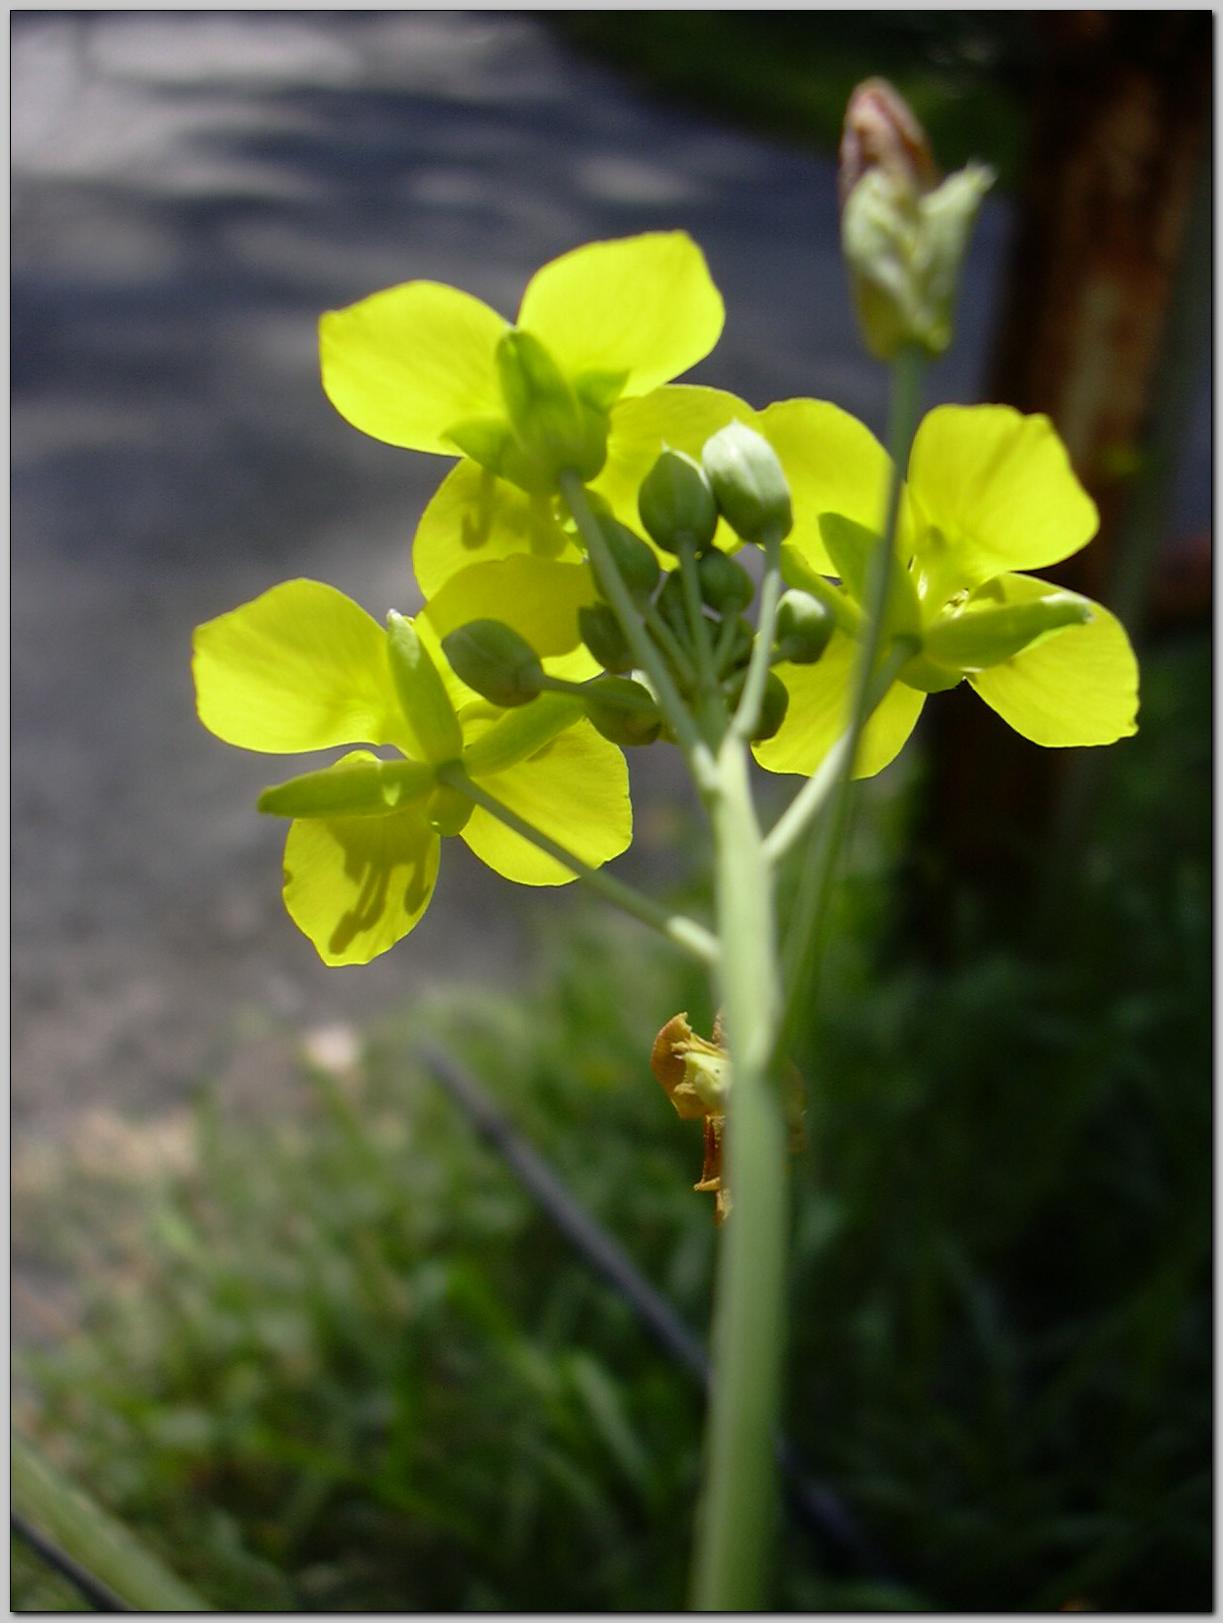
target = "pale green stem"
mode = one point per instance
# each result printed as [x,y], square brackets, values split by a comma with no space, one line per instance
[747,716]
[738,1502]
[726,637]
[683,931]
[93,1538]
[815,885]
[794,821]
[648,658]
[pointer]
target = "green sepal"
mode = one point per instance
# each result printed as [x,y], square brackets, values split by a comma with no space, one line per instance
[495,661]
[488,441]
[676,505]
[624,711]
[557,430]
[852,548]
[422,693]
[448,810]
[518,735]
[600,390]
[748,483]
[359,786]
[986,632]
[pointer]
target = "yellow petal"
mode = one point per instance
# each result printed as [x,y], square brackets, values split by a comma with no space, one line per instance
[574,789]
[405,364]
[300,668]
[477,518]
[999,489]
[833,464]
[356,885]
[1077,687]
[819,715]
[642,306]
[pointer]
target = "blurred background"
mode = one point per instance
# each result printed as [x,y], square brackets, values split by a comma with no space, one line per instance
[275,1305]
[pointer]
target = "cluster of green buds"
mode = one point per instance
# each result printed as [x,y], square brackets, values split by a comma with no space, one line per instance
[689,595]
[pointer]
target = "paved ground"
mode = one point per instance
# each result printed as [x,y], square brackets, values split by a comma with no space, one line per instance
[189,191]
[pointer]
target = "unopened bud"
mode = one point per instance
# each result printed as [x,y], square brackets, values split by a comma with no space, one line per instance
[604,636]
[558,431]
[748,483]
[804,627]
[676,504]
[496,661]
[622,710]
[725,585]
[634,561]
[774,702]
[421,691]
[881,132]
[903,235]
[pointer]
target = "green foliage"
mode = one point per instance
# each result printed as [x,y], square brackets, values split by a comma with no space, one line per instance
[790,74]
[343,1364]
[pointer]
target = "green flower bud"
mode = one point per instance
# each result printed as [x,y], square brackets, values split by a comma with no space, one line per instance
[676,504]
[556,430]
[725,585]
[422,693]
[774,702]
[496,661]
[673,605]
[904,237]
[604,636]
[740,650]
[361,788]
[623,710]
[804,627]
[748,483]
[448,810]
[635,562]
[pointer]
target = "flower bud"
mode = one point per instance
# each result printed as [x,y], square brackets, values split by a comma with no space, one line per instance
[725,585]
[673,605]
[496,661]
[774,702]
[804,627]
[635,562]
[604,636]
[880,132]
[904,237]
[558,431]
[421,691]
[740,650]
[748,483]
[623,710]
[676,505]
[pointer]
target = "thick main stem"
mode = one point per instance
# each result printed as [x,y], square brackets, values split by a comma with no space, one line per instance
[735,1523]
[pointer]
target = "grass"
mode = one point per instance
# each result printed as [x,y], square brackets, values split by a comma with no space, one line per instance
[336,1361]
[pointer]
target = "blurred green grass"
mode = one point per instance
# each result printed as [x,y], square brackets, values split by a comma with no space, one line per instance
[789,74]
[340,1363]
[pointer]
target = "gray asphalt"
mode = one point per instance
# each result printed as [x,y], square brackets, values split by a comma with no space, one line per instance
[189,191]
